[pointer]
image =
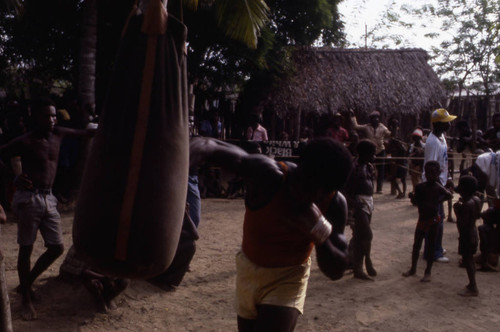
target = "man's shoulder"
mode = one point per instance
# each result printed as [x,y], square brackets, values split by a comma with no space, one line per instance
[490,131]
[23,139]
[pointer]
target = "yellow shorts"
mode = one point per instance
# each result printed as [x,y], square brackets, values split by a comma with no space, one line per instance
[282,286]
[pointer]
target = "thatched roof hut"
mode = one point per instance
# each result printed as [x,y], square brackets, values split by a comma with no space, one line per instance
[326,80]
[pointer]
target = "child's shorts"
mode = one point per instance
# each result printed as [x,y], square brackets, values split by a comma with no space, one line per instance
[35,211]
[282,286]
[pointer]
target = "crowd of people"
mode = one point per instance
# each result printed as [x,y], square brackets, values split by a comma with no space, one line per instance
[291,208]
[432,178]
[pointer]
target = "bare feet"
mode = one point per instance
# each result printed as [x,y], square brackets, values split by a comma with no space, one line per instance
[34,296]
[371,271]
[426,278]
[408,273]
[469,292]
[28,311]
[361,275]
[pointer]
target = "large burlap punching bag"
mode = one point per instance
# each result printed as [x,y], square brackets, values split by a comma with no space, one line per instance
[131,204]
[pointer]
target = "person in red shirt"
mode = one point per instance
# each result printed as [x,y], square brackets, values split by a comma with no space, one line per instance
[290,209]
[336,131]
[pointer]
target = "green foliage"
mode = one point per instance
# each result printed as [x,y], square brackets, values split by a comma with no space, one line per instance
[240,19]
[302,22]
[39,45]
[469,52]
[469,55]
[216,62]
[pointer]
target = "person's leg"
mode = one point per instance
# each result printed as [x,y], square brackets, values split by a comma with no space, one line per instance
[395,186]
[362,237]
[403,181]
[380,170]
[246,325]
[438,246]
[471,271]
[113,288]
[45,260]
[450,211]
[51,231]
[368,248]
[432,234]
[471,288]
[484,231]
[23,270]
[274,318]
[194,199]
[417,244]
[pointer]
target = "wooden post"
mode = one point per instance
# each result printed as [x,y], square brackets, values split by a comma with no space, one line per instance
[5,318]
[297,124]
[473,122]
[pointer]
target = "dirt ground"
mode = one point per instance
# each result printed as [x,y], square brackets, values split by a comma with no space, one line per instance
[204,301]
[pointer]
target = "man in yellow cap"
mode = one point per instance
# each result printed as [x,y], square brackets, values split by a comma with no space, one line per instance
[437,149]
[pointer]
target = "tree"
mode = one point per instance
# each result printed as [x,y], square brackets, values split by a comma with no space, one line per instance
[468,57]
[292,23]
[469,53]
[39,43]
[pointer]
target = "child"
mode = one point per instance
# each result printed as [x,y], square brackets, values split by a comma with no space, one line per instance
[360,197]
[427,197]
[416,154]
[467,210]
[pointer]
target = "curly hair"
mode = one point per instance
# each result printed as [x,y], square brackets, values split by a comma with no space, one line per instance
[326,162]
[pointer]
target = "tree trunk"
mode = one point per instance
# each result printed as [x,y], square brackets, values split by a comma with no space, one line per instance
[86,83]
[297,125]
[5,318]
[87,66]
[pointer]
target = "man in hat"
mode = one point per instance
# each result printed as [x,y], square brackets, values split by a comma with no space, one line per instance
[377,133]
[436,149]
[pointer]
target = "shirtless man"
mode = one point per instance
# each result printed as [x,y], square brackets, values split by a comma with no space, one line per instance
[287,207]
[33,201]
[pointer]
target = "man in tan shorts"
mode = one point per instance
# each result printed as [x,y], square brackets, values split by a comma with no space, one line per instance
[290,209]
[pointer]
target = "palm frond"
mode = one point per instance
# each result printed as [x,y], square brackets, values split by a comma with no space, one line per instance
[242,19]
[191,4]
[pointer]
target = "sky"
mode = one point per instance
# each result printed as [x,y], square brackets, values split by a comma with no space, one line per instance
[357,13]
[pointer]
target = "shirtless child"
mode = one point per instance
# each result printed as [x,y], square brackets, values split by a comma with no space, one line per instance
[359,191]
[468,210]
[427,197]
[33,201]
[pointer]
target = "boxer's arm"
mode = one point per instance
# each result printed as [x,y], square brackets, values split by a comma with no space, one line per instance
[232,158]
[332,254]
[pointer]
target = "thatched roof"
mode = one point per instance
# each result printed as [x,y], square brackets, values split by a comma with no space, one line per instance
[330,80]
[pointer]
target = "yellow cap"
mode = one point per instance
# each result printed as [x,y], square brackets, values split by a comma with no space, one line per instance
[442,115]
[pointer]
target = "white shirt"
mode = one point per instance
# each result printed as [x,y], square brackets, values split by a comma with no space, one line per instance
[437,149]
[488,163]
[259,134]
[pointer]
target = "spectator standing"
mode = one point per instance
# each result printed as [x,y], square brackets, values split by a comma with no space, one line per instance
[467,210]
[377,133]
[336,131]
[416,156]
[436,149]
[256,132]
[492,135]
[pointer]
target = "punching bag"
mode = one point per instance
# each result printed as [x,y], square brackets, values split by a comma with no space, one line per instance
[132,197]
